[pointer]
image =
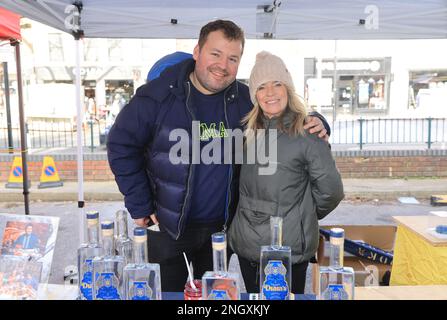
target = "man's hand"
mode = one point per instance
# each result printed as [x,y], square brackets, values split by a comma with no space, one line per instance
[144,222]
[315,125]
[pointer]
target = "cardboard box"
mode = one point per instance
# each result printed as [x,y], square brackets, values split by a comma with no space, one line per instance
[367,272]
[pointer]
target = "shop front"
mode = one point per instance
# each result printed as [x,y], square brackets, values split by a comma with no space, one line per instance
[362,86]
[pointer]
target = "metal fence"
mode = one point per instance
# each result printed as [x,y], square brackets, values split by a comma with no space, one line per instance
[361,132]
[50,134]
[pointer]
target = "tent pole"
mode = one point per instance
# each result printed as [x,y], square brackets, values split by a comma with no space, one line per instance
[8,108]
[80,158]
[334,111]
[23,147]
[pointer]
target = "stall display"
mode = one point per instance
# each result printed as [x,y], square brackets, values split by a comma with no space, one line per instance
[27,246]
[108,269]
[220,284]
[141,279]
[86,253]
[19,278]
[123,244]
[336,281]
[275,265]
[420,253]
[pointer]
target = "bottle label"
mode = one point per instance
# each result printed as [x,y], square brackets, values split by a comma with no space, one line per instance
[107,284]
[335,292]
[86,283]
[275,286]
[218,295]
[140,290]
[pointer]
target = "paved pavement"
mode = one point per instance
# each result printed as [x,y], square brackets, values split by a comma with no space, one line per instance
[360,189]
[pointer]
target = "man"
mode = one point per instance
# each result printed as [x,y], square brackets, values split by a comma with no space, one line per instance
[185,202]
[28,240]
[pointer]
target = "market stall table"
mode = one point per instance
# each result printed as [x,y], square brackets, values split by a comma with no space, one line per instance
[70,292]
[401,293]
[420,255]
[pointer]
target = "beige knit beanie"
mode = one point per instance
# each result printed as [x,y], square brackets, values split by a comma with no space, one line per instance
[268,67]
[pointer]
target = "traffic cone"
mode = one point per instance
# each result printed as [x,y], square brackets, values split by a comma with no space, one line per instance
[49,178]
[15,179]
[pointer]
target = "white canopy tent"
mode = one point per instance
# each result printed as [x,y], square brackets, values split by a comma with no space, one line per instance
[287,19]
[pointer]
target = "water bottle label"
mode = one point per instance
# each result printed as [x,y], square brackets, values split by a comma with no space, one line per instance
[107,284]
[86,283]
[335,292]
[218,295]
[140,290]
[275,286]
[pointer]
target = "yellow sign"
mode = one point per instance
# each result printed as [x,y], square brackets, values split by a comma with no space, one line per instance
[15,179]
[49,177]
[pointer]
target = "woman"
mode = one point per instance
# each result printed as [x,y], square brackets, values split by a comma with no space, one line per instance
[304,188]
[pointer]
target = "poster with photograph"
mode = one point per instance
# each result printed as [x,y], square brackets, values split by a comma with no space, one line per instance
[19,278]
[30,238]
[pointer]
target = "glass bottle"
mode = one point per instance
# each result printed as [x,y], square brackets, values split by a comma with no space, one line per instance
[86,253]
[336,282]
[142,279]
[123,244]
[108,269]
[220,284]
[275,265]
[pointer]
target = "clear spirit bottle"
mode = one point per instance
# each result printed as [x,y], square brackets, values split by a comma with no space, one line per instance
[141,279]
[86,253]
[123,244]
[336,282]
[220,284]
[275,265]
[108,269]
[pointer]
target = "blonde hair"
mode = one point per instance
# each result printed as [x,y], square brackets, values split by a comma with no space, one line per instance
[295,105]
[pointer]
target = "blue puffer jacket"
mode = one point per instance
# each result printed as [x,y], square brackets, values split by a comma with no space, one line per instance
[138,148]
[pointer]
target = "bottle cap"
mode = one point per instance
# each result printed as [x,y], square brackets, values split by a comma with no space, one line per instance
[442,228]
[337,233]
[107,225]
[218,237]
[139,231]
[92,214]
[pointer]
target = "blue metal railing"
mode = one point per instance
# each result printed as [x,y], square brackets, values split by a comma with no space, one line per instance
[41,134]
[360,132]
[390,131]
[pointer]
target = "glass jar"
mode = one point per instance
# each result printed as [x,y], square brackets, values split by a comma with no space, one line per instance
[193,294]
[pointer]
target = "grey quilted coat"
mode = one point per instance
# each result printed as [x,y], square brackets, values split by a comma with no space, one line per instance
[305,188]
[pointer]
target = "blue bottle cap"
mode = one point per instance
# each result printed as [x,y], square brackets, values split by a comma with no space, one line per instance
[442,228]
[218,237]
[92,214]
[106,225]
[139,231]
[337,233]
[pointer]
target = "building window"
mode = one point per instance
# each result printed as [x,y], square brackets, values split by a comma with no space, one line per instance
[427,89]
[362,85]
[55,47]
[371,93]
[115,50]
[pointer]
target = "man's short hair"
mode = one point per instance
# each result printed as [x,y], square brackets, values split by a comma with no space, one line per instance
[231,31]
